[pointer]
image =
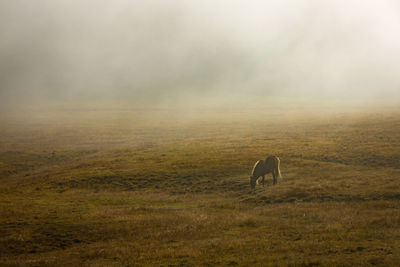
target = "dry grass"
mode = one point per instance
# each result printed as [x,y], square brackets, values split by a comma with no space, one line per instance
[154,188]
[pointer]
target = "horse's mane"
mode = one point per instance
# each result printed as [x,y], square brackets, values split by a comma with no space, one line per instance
[255,165]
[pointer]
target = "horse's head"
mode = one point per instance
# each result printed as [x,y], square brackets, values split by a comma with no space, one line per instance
[252,182]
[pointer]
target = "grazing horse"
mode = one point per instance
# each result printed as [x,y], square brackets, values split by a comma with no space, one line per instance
[263,167]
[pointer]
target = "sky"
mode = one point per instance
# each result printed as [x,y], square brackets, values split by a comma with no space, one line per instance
[169,51]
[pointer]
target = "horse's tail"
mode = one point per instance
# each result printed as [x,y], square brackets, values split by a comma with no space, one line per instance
[277,167]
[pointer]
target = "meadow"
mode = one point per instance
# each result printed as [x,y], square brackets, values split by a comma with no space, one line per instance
[160,187]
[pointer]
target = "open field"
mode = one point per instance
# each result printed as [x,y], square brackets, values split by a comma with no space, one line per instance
[165,188]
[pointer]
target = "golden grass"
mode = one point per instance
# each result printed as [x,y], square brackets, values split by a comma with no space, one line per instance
[117,189]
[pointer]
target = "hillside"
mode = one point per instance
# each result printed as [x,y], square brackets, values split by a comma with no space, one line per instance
[153,187]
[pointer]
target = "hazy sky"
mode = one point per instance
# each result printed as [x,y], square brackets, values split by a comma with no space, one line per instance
[56,50]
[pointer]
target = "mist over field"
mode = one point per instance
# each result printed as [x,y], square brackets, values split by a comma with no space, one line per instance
[198,52]
[129,130]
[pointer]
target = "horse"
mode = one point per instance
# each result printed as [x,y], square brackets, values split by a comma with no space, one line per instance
[263,167]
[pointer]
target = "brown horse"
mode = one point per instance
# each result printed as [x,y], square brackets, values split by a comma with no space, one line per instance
[263,167]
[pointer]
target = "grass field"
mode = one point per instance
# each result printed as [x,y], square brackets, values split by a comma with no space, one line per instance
[164,188]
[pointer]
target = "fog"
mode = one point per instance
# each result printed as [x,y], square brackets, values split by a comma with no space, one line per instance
[168,52]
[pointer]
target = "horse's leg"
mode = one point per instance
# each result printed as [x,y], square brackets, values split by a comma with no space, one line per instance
[274,176]
[263,179]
